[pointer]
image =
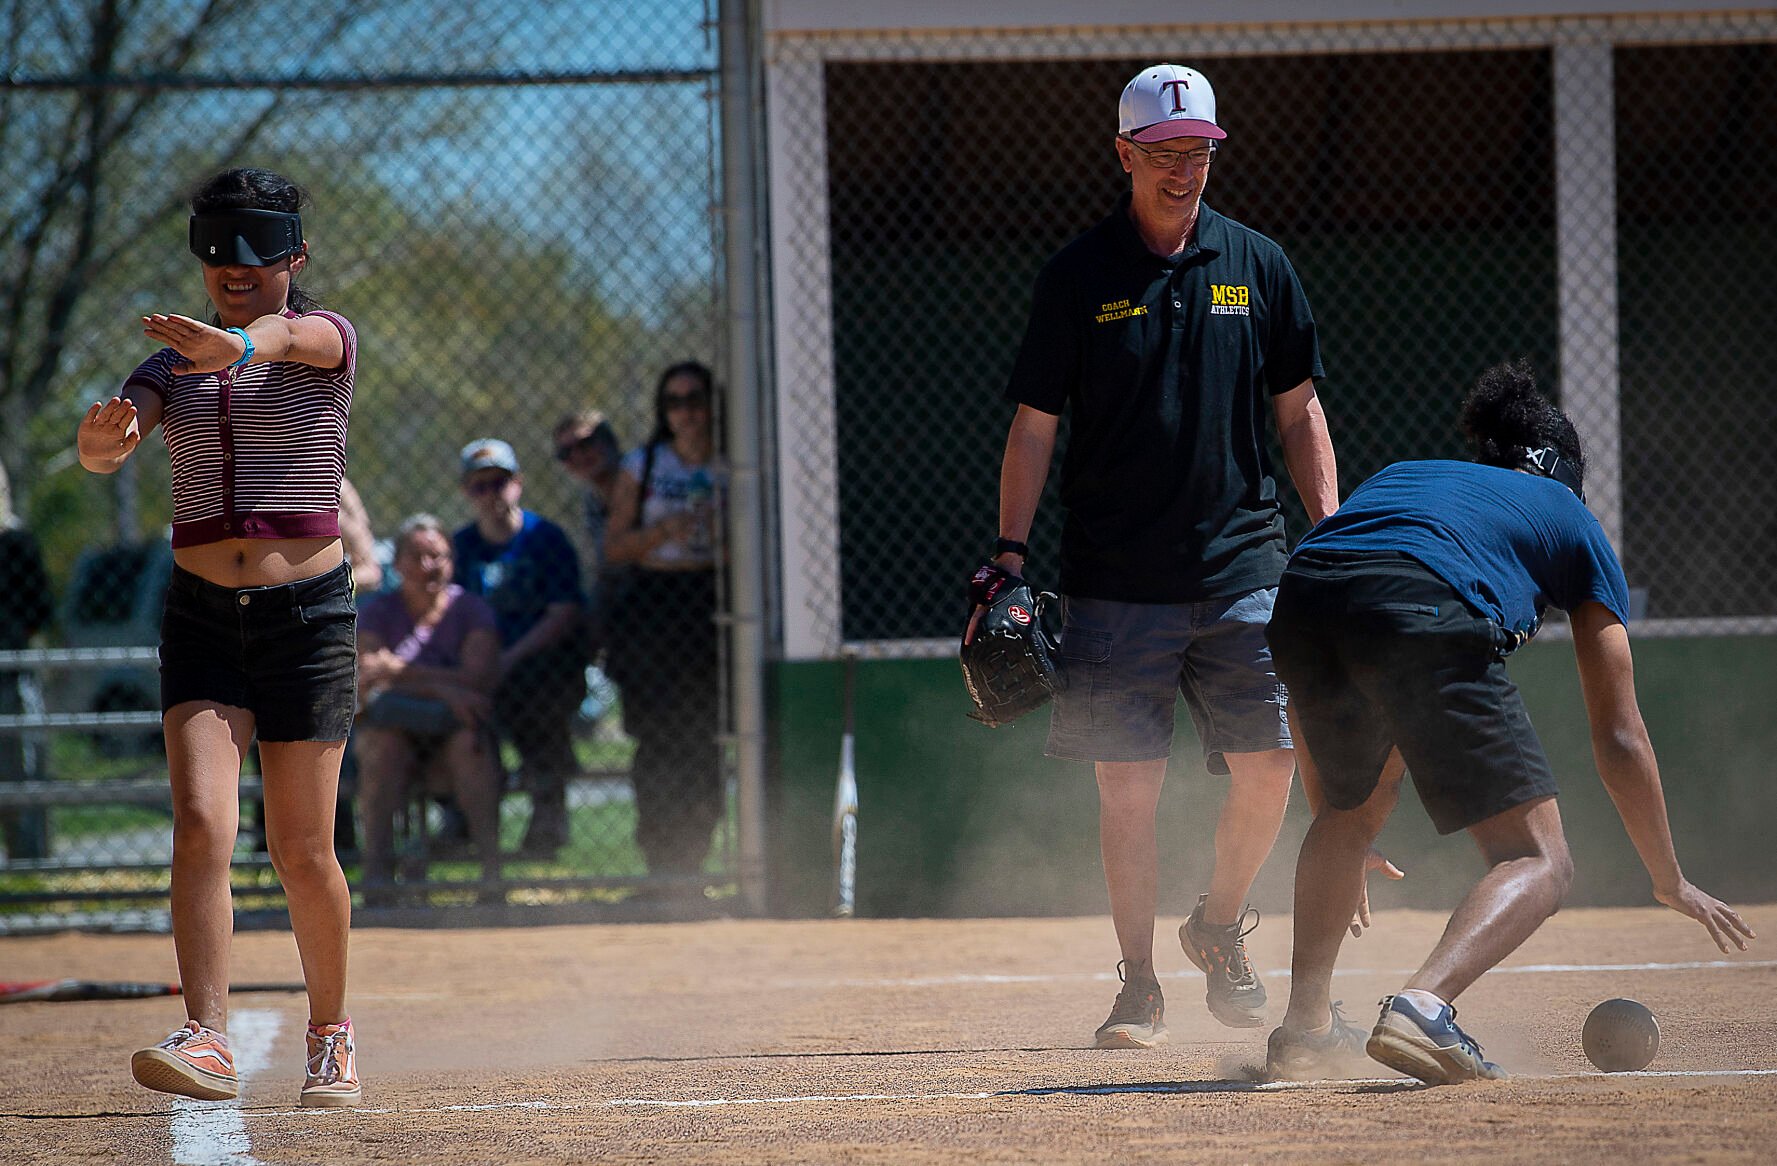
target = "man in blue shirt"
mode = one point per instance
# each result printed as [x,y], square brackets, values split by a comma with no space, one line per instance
[1391,628]
[529,573]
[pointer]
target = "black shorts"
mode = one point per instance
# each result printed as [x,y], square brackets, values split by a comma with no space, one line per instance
[1380,653]
[286,654]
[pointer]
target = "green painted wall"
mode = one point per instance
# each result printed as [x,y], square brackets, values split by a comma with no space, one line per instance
[958,819]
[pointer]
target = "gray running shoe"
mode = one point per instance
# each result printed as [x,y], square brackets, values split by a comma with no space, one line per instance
[1435,1051]
[1336,1053]
[1137,1019]
[1235,996]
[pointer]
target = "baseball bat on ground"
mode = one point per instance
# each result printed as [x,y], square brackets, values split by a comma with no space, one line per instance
[27,991]
[845,809]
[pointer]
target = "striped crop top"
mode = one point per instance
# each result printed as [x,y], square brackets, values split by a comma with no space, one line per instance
[257,451]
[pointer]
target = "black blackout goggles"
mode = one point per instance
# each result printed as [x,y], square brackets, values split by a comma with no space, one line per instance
[1550,464]
[249,238]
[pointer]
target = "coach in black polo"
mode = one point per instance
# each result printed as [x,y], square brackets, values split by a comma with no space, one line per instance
[1170,332]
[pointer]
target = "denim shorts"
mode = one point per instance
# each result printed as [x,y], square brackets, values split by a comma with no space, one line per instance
[1123,666]
[1380,653]
[287,654]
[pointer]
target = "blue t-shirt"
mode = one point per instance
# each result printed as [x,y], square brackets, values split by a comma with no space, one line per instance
[522,577]
[1508,542]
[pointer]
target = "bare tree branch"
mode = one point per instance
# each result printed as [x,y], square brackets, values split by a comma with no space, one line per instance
[75,187]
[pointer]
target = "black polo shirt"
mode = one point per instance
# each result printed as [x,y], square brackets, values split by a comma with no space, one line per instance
[1168,366]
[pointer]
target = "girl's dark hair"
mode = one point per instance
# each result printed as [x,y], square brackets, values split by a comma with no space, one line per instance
[1507,414]
[250,188]
[706,382]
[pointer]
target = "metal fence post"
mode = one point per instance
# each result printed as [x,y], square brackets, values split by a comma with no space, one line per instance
[741,240]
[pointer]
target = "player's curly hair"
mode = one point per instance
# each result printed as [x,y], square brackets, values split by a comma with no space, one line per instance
[1506,414]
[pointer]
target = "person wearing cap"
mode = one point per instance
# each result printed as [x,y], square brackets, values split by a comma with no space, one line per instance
[526,569]
[258,636]
[587,448]
[1170,332]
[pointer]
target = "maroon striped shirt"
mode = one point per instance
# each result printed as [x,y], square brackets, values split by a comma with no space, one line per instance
[257,451]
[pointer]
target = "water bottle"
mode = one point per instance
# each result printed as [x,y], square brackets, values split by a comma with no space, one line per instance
[700,501]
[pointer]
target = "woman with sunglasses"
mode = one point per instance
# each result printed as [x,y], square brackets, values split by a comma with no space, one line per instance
[665,522]
[257,639]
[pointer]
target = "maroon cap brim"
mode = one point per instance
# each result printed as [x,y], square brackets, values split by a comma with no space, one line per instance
[1182,127]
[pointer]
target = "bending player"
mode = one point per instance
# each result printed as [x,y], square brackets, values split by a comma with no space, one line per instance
[1391,629]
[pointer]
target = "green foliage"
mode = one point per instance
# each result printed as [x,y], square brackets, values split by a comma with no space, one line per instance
[508,252]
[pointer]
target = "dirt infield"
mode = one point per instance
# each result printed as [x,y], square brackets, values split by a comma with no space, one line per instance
[887,1041]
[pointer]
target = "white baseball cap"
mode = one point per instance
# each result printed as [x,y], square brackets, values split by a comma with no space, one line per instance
[1168,101]
[488,453]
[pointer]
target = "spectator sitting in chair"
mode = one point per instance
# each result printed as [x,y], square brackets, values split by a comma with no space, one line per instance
[527,570]
[428,660]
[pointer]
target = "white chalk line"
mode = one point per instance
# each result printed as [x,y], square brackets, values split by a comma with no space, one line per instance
[1697,966]
[1084,977]
[1165,1087]
[213,1133]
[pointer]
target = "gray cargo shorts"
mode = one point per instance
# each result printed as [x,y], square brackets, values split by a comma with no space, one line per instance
[1123,666]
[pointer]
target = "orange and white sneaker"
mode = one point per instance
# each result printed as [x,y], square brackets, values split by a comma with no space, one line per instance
[332,1066]
[193,1061]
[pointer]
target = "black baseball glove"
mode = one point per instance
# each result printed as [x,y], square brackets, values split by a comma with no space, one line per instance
[1009,666]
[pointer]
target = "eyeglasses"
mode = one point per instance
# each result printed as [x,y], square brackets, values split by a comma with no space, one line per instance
[1167,159]
[481,487]
[671,401]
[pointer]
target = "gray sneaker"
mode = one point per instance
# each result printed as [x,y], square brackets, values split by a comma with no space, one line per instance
[1235,996]
[1435,1051]
[1137,1019]
[1334,1054]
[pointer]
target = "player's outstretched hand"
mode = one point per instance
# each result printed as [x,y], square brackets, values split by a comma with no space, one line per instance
[1372,861]
[1722,921]
[109,432]
[204,348]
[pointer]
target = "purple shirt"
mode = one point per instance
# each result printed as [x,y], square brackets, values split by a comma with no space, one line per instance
[438,646]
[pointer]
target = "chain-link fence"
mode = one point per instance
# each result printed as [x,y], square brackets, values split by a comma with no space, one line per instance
[1596,194]
[516,208]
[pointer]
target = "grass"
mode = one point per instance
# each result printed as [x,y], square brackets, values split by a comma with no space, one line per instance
[98,821]
[601,845]
[601,838]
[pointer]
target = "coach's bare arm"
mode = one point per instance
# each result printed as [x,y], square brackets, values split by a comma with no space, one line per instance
[1030,445]
[1307,448]
[1625,759]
